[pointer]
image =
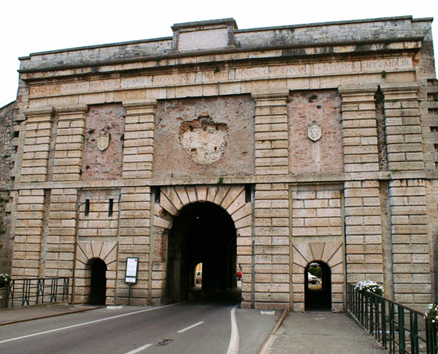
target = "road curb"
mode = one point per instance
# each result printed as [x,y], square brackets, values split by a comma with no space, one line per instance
[49,316]
[270,336]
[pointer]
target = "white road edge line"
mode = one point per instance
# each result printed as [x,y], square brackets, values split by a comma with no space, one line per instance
[190,327]
[233,348]
[84,324]
[139,349]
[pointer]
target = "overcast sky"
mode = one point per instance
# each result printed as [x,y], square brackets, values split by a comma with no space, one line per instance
[30,26]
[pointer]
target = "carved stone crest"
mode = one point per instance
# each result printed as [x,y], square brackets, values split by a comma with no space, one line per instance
[314,131]
[103,140]
[203,139]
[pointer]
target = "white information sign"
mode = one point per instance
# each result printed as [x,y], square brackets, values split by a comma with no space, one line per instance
[131,270]
[130,280]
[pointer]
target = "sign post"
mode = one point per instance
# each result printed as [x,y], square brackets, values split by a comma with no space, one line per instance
[131,274]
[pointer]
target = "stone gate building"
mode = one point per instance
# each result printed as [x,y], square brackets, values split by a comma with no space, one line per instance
[270,149]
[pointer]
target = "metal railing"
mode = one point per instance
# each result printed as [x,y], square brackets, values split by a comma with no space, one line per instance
[398,328]
[36,291]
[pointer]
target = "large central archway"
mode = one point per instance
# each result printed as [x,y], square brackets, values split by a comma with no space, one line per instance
[219,240]
[202,233]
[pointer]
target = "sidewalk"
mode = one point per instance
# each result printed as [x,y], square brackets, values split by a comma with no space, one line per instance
[29,313]
[321,333]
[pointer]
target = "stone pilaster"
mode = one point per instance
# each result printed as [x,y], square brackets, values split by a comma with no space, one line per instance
[28,233]
[31,203]
[429,120]
[271,282]
[411,259]
[407,197]
[60,232]
[60,227]
[135,216]
[403,128]
[139,139]
[69,143]
[135,204]
[359,127]
[363,231]
[363,225]
[271,135]
[36,148]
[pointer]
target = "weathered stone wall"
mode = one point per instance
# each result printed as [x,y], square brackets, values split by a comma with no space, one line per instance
[326,154]
[7,124]
[430,137]
[318,234]
[320,142]
[213,136]
[7,173]
[432,205]
[316,211]
[107,121]
[98,214]
[5,235]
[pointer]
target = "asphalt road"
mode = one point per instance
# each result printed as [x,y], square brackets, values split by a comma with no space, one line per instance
[214,325]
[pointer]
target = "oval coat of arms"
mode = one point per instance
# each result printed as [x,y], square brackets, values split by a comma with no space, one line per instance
[314,131]
[103,140]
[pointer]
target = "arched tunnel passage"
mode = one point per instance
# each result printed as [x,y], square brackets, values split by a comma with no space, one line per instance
[204,233]
[318,287]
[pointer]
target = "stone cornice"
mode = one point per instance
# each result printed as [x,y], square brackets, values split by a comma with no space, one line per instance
[140,103]
[358,89]
[38,112]
[236,180]
[83,108]
[232,54]
[400,87]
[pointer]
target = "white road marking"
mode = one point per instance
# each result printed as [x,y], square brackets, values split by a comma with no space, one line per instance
[190,327]
[139,349]
[84,324]
[233,347]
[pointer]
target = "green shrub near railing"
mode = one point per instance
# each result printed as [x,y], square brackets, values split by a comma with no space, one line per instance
[370,286]
[4,284]
[398,328]
[431,317]
[4,280]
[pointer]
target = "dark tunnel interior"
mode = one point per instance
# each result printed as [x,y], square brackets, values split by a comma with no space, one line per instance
[202,233]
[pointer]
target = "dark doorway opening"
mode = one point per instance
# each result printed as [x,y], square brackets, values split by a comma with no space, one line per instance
[98,282]
[318,287]
[204,233]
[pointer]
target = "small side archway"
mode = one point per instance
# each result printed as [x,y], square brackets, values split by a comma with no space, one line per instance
[97,282]
[318,287]
[97,260]
[330,256]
